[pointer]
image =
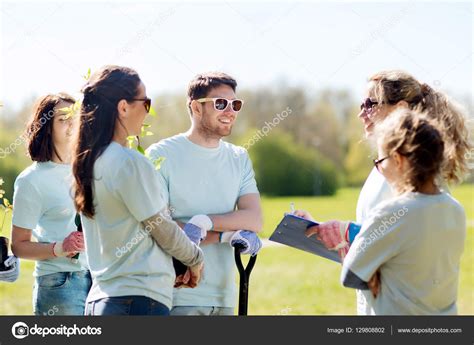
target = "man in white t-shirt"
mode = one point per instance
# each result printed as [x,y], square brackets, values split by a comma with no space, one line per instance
[204,175]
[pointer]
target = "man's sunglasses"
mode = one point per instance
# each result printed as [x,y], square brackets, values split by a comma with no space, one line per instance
[220,104]
[146,102]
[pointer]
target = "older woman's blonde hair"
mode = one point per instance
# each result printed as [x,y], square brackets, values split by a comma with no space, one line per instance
[393,86]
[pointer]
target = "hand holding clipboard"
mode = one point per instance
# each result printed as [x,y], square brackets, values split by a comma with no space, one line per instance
[292,232]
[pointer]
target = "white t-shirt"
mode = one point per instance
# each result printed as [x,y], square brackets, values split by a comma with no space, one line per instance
[123,258]
[416,240]
[42,202]
[375,190]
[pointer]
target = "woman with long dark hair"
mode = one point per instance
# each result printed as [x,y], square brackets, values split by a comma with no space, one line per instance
[118,196]
[43,208]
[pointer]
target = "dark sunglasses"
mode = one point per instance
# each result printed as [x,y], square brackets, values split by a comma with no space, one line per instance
[146,102]
[368,105]
[378,161]
[221,104]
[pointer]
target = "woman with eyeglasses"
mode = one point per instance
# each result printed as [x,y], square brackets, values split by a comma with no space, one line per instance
[43,208]
[413,241]
[117,193]
[388,91]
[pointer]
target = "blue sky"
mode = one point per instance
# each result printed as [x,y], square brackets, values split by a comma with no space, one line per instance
[47,46]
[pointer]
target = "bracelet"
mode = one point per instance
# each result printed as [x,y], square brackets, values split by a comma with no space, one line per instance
[54,244]
[346,233]
[220,237]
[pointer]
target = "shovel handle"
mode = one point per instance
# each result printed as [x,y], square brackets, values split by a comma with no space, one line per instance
[243,271]
[244,274]
[77,221]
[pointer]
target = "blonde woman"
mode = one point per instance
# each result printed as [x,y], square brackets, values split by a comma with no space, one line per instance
[414,240]
[386,92]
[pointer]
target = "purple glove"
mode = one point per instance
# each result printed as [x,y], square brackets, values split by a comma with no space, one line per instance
[193,232]
[248,239]
[197,227]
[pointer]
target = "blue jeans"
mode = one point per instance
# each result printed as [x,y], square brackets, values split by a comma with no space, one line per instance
[62,293]
[201,311]
[126,305]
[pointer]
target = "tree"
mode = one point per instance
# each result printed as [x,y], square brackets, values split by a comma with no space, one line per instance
[283,167]
[357,162]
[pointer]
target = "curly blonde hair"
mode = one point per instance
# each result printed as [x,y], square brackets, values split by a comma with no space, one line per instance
[393,86]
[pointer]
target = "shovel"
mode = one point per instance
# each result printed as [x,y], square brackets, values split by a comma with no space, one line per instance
[244,278]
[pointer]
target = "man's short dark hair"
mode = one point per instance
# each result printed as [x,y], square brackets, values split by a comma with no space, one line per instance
[203,83]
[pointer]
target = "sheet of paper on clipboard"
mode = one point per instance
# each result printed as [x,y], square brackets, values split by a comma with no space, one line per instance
[291,232]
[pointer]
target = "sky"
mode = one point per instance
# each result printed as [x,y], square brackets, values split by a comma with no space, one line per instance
[49,46]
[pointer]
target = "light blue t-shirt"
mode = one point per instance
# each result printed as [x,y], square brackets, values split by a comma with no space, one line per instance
[416,241]
[123,258]
[376,190]
[203,180]
[43,202]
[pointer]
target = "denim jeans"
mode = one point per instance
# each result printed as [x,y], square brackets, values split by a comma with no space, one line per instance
[126,305]
[201,311]
[62,293]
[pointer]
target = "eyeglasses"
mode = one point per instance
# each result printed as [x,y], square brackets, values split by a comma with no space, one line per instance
[146,102]
[220,104]
[368,105]
[378,161]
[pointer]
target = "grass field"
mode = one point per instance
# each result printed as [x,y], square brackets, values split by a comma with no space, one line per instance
[286,281]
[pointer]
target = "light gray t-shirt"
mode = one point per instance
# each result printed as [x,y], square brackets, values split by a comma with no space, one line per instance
[416,240]
[200,180]
[123,258]
[43,203]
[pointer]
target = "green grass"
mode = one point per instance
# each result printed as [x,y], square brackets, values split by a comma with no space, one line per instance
[287,281]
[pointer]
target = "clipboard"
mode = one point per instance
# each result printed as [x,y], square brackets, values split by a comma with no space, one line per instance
[291,232]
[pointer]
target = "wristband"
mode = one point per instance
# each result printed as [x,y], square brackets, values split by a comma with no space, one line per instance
[58,249]
[352,230]
[346,232]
